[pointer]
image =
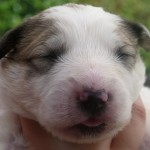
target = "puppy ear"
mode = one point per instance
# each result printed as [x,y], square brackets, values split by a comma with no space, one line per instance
[145,39]
[9,41]
[140,32]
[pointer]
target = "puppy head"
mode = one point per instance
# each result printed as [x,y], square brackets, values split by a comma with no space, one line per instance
[75,69]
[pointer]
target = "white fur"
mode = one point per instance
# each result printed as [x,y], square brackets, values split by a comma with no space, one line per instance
[91,40]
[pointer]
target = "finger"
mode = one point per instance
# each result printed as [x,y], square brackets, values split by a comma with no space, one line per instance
[131,137]
[34,134]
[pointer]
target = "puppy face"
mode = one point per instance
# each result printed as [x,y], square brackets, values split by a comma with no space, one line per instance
[75,69]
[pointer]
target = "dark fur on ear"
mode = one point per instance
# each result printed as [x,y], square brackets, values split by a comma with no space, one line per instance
[140,32]
[9,41]
[24,34]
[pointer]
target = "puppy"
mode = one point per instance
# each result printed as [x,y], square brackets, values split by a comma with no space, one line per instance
[76,70]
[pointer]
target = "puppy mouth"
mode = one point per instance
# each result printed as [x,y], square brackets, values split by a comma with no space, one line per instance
[91,126]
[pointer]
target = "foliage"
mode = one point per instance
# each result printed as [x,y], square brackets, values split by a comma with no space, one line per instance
[12,12]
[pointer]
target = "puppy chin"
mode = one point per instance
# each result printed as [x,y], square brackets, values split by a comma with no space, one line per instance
[80,135]
[85,139]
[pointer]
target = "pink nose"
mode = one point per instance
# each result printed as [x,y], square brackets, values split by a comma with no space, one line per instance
[93,102]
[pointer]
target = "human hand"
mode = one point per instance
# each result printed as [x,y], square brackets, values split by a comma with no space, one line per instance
[128,139]
[132,136]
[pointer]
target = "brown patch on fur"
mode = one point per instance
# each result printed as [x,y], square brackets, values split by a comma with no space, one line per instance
[37,31]
[131,44]
[126,36]
[135,33]
[34,32]
[31,46]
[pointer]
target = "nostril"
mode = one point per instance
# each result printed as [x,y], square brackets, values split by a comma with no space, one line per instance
[93,102]
[100,95]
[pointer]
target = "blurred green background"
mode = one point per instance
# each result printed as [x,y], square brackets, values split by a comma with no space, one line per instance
[13,12]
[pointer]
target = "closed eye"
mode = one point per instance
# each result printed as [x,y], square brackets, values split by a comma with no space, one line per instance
[55,52]
[43,63]
[125,52]
[124,55]
[54,55]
